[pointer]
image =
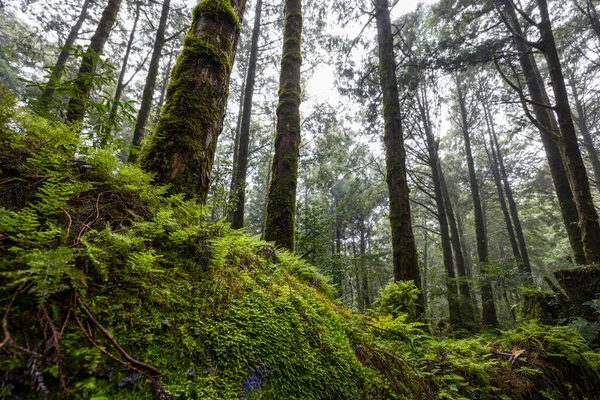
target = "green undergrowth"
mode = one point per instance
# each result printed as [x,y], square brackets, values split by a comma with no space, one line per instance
[112,289]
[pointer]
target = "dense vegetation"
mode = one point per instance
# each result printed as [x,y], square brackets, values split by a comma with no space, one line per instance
[433,234]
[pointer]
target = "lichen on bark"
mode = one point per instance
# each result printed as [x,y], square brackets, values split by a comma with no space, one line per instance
[181,151]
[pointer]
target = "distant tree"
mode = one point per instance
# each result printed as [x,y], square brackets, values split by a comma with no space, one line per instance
[63,56]
[487,296]
[241,164]
[84,80]
[148,93]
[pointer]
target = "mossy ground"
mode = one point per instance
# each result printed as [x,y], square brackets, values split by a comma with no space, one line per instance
[221,315]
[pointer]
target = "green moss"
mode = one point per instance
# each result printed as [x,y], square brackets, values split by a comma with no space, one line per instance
[218,10]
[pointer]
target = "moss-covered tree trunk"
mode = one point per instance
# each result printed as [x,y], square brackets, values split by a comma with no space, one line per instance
[281,203]
[405,260]
[549,131]
[121,81]
[139,132]
[588,217]
[487,296]
[239,190]
[584,129]
[181,151]
[468,309]
[433,160]
[84,80]
[63,56]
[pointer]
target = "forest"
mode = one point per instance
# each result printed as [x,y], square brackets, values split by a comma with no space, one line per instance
[299,199]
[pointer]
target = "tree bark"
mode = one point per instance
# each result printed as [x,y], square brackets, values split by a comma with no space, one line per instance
[84,80]
[549,133]
[281,205]
[63,56]
[239,192]
[585,133]
[405,260]
[588,217]
[182,150]
[120,83]
[139,132]
[487,297]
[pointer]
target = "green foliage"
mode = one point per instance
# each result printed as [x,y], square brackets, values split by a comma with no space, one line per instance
[396,299]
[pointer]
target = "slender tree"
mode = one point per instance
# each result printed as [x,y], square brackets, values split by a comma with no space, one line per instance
[404,250]
[433,160]
[467,302]
[148,94]
[121,81]
[487,296]
[84,80]
[239,191]
[281,204]
[63,56]
[181,151]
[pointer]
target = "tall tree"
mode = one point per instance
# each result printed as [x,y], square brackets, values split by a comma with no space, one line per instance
[545,121]
[181,151]
[281,204]
[84,80]
[63,56]
[404,250]
[588,217]
[487,296]
[121,81]
[239,190]
[148,94]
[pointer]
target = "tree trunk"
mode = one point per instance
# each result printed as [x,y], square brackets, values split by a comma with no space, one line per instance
[239,192]
[405,260]
[487,297]
[549,132]
[84,80]
[585,133]
[146,105]
[588,217]
[182,150]
[120,83]
[432,148]
[467,304]
[281,205]
[63,56]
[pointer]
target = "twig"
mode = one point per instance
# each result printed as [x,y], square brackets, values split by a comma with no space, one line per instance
[56,335]
[108,336]
[7,338]
[70,223]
